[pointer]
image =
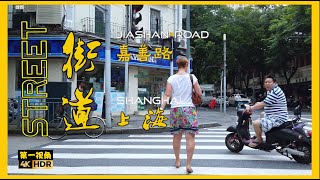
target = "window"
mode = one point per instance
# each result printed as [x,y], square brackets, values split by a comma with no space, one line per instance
[99,22]
[155,24]
[17,16]
[19,79]
[117,78]
[10,13]
[69,16]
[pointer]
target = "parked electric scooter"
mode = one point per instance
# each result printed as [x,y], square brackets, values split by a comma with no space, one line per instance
[290,139]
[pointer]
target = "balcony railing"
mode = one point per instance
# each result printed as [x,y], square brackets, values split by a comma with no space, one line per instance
[98,27]
[88,24]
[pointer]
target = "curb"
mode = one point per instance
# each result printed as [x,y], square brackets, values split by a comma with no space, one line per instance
[123,131]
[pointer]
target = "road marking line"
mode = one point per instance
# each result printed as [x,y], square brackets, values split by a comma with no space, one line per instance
[158,170]
[134,147]
[235,157]
[139,140]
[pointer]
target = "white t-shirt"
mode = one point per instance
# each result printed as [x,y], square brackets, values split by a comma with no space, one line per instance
[181,90]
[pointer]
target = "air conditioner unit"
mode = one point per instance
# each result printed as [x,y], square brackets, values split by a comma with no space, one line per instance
[30,8]
[183,44]
[49,14]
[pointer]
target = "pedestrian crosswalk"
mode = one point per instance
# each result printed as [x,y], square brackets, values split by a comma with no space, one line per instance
[152,153]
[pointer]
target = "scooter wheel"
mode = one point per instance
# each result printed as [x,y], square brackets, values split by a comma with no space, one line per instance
[233,143]
[303,159]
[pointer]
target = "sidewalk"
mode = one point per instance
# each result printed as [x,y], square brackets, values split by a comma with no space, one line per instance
[205,119]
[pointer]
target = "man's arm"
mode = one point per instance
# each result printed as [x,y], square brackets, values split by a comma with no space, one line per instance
[258,105]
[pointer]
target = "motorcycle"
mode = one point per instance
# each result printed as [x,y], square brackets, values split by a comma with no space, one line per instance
[289,139]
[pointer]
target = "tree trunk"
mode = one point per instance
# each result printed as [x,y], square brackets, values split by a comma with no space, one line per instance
[246,82]
[233,82]
[261,82]
[254,88]
[288,77]
[240,80]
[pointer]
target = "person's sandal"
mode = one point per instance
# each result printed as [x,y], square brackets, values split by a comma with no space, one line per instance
[255,144]
[189,171]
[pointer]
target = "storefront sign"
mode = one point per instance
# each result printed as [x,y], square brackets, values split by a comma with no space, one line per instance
[134,57]
[55,44]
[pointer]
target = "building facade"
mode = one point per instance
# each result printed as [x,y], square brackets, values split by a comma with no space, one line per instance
[146,79]
[298,89]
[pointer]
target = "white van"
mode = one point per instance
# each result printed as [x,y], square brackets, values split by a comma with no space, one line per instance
[207,93]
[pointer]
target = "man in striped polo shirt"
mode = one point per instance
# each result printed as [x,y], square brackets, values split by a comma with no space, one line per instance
[275,110]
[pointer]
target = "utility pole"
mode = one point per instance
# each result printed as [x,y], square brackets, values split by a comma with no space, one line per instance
[224,72]
[221,77]
[107,67]
[188,39]
[171,62]
[126,71]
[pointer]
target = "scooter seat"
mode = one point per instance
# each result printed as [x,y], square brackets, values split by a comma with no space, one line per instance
[288,124]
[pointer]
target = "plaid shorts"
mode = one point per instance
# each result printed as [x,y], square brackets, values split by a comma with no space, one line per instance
[183,119]
[269,122]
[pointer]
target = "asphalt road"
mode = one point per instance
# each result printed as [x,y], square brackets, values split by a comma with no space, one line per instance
[153,154]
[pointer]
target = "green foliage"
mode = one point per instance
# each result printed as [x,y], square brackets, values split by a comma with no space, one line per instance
[259,39]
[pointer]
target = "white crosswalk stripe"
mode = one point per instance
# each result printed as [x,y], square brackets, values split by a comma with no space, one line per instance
[153,154]
[131,147]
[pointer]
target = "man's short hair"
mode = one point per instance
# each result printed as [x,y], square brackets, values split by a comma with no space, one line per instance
[83,82]
[271,77]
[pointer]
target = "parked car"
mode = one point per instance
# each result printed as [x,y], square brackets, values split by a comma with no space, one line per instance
[219,99]
[243,99]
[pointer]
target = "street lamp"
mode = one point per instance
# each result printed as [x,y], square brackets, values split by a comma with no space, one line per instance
[221,77]
[224,72]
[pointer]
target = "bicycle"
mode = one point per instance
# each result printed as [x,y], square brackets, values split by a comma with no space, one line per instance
[57,124]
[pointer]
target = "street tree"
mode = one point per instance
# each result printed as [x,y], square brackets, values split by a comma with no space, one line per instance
[290,37]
